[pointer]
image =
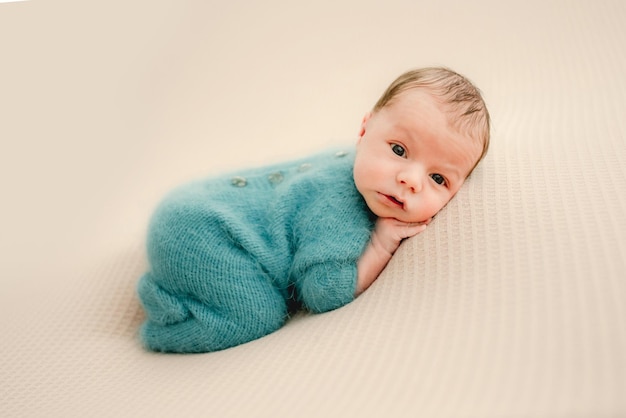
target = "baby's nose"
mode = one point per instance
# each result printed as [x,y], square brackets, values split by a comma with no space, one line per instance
[412,179]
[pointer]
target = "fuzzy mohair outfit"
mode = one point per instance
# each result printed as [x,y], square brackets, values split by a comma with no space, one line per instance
[231,256]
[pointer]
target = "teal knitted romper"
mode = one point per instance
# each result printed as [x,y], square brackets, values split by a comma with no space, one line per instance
[230,256]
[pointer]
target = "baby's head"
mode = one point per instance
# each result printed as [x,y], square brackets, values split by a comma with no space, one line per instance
[423,138]
[460,99]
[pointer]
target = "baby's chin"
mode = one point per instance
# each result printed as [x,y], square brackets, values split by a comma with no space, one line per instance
[414,222]
[408,220]
[414,219]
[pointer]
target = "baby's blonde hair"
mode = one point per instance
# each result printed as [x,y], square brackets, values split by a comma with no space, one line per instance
[463,100]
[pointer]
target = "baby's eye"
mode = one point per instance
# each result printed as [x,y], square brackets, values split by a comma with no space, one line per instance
[439,179]
[398,150]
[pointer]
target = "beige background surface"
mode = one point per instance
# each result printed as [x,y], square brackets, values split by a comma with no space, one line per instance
[511,304]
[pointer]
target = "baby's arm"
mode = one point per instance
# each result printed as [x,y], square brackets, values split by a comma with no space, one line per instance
[385,240]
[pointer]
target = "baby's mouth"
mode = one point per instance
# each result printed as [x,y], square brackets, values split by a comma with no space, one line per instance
[395,201]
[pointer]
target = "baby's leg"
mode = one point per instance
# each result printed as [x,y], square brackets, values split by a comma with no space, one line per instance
[187,324]
[203,293]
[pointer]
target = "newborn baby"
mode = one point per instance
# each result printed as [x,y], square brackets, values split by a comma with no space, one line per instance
[230,257]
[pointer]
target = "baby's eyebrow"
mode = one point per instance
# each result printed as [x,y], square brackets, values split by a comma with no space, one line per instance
[451,171]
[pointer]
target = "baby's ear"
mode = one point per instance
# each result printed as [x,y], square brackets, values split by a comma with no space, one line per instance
[364,124]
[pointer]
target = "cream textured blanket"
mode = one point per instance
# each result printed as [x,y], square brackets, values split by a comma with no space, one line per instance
[511,303]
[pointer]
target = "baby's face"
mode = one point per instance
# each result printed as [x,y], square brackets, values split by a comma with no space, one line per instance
[410,162]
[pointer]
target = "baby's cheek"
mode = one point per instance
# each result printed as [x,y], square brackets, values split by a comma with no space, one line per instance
[431,209]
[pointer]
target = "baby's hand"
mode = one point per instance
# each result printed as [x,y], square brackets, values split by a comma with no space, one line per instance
[385,240]
[389,233]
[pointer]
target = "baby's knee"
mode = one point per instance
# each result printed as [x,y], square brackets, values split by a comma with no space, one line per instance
[267,319]
[257,309]
[259,323]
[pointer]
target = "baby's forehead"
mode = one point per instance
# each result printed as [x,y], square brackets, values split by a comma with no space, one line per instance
[465,123]
[420,99]
[465,134]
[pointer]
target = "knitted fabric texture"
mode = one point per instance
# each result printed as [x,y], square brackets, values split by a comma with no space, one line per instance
[230,255]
